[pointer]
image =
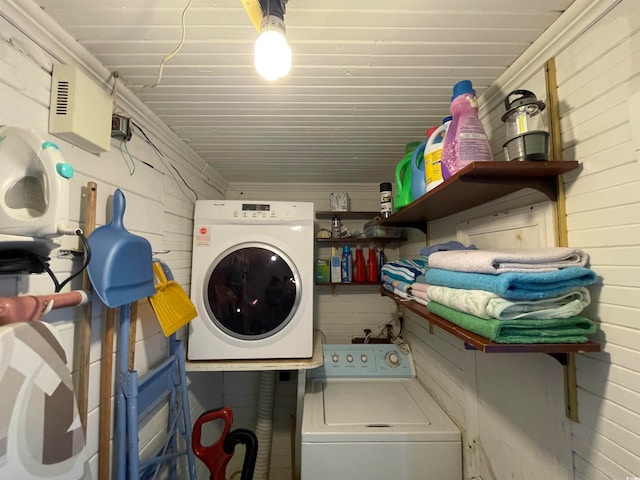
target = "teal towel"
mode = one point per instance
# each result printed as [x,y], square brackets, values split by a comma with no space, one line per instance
[554,330]
[515,285]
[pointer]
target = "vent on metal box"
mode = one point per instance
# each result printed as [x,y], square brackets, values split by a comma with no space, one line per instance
[62,98]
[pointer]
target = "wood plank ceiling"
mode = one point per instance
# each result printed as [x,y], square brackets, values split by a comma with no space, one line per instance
[368,76]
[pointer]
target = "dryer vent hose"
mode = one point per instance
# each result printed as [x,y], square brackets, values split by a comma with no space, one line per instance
[264,424]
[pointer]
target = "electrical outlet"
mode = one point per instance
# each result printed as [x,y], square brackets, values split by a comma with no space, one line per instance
[120,127]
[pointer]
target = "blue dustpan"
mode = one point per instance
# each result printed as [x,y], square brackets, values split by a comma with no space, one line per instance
[121,268]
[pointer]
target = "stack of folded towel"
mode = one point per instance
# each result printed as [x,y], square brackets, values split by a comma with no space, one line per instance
[398,276]
[509,296]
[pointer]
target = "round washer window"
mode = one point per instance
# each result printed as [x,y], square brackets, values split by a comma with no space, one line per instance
[253,291]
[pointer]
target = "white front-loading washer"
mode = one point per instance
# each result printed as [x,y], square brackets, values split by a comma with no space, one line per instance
[366,417]
[252,280]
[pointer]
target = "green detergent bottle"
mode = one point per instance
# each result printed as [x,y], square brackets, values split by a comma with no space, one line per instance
[403,179]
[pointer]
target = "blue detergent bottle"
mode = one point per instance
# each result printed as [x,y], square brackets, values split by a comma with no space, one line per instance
[418,177]
[346,265]
[381,261]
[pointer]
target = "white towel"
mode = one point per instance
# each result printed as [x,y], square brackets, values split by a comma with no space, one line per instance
[483,304]
[406,296]
[420,294]
[517,260]
[419,287]
[419,300]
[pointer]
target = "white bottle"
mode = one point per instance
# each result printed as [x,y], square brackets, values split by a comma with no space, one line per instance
[433,156]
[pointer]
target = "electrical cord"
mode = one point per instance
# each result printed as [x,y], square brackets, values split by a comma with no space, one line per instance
[87,259]
[166,163]
[132,168]
[170,55]
[381,328]
[86,254]
[114,91]
[398,342]
[24,262]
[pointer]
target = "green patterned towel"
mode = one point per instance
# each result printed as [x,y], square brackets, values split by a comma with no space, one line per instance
[553,330]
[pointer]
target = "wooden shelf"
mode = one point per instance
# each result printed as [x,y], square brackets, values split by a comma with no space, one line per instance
[478,183]
[261,364]
[364,241]
[346,215]
[345,284]
[485,345]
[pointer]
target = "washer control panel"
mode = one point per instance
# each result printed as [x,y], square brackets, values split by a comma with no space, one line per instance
[365,360]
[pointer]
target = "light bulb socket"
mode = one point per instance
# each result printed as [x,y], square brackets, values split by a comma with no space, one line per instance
[273,23]
[273,8]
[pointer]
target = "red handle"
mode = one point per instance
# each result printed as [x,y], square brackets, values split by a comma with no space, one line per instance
[213,456]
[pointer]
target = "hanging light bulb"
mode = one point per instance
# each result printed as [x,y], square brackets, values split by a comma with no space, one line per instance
[272,55]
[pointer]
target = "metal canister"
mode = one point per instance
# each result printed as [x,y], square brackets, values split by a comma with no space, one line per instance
[386,200]
[335,227]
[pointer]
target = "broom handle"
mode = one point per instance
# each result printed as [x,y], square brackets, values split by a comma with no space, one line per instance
[85,322]
[132,334]
[106,380]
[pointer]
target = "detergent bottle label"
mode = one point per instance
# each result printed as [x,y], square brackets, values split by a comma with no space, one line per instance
[473,144]
[433,157]
[433,172]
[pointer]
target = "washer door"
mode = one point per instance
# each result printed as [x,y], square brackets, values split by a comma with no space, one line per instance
[252,291]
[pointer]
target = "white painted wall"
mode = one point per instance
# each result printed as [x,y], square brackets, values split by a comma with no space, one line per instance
[159,207]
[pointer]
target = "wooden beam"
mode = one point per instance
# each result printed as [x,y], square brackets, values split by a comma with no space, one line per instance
[106,382]
[562,236]
[85,322]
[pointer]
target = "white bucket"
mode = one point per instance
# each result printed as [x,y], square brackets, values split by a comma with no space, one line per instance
[433,155]
[34,185]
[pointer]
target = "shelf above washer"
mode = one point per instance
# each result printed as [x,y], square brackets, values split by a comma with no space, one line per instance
[261,364]
[478,183]
[476,342]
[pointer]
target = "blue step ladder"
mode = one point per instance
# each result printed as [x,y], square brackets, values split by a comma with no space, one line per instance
[137,399]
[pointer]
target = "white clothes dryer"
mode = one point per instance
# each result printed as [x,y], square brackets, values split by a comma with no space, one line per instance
[252,280]
[366,417]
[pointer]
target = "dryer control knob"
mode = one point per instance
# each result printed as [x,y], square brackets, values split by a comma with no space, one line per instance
[335,358]
[350,358]
[364,358]
[392,359]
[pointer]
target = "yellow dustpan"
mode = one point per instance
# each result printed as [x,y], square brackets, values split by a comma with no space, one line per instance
[171,303]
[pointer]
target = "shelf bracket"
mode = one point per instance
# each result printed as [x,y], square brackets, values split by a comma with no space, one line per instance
[568,362]
[560,357]
[570,386]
